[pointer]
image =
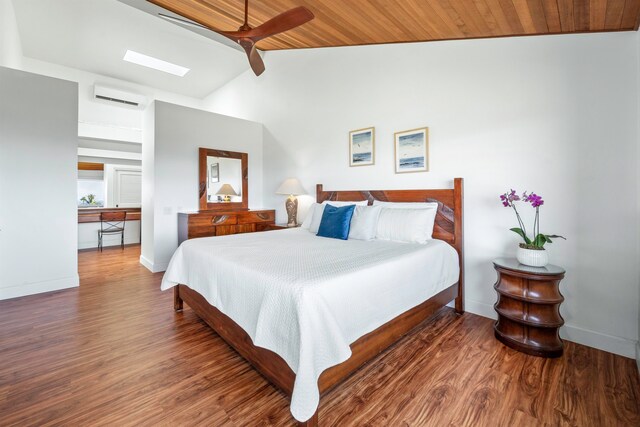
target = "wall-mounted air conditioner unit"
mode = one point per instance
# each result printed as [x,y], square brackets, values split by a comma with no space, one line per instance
[119,97]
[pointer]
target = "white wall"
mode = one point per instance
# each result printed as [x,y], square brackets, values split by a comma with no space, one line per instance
[38,216]
[170,170]
[554,114]
[101,119]
[10,47]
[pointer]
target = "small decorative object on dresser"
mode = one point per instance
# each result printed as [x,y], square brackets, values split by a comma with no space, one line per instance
[412,150]
[528,307]
[531,252]
[362,148]
[292,188]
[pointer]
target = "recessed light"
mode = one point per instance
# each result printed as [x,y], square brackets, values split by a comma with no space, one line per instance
[155,63]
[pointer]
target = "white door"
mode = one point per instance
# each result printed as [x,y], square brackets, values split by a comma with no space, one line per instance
[127,188]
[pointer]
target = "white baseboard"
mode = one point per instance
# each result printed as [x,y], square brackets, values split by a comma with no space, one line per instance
[638,355]
[146,263]
[622,346]
[107,244]
[39,287]
[154,267]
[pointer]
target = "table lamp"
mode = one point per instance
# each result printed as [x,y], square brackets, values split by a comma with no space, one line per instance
[292,188]
[227,191]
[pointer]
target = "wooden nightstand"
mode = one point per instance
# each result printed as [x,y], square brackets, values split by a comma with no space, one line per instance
[528,307]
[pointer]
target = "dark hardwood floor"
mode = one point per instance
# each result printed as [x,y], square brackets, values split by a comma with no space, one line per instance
[114,353]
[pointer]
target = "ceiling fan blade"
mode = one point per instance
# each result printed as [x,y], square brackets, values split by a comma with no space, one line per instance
[246,36]
[255,60]
[284,22]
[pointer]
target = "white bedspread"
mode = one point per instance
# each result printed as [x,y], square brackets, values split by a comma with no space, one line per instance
[307,298]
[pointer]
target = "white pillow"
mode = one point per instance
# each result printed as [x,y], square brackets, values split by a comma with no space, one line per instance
[307,219]
[314,225]
[341,204]
[364,222]
[406,205]
[406,225]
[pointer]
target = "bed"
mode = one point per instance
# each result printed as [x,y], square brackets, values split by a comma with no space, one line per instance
[308,311]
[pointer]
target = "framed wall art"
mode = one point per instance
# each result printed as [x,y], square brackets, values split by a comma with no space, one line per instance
[362,147]
[412,150]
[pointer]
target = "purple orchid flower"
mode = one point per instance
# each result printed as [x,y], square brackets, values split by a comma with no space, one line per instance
[533,198]
[508,198]
[536,201]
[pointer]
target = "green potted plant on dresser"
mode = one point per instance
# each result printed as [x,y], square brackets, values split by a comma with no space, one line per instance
[531,252]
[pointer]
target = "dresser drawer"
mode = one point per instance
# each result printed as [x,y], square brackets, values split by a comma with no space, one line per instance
[256,217]
[213,220]
[224,230]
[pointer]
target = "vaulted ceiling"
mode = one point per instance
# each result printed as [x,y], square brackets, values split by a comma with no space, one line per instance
[93,35]
[358,22]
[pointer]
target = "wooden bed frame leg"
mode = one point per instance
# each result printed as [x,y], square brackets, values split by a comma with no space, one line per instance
[311,422]
[177,301]
[460,298]
[459,305]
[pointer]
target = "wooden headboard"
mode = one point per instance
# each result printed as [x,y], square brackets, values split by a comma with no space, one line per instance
[449,219]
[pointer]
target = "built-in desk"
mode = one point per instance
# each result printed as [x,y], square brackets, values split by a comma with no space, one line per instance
[89,224]
[93,214]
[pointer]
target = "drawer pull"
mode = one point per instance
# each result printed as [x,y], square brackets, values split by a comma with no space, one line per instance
[263,215]
[220,219]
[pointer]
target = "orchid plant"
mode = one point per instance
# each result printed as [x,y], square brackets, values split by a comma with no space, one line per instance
[509,200]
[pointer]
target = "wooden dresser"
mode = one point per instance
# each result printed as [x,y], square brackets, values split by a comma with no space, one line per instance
[220,223]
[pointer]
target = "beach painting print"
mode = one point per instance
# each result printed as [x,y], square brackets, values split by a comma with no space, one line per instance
[362,147]
[412,150]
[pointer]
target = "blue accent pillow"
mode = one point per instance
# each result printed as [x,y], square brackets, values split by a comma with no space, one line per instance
[335,222]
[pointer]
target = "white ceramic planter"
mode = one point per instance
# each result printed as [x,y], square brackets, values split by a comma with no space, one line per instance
[532,257]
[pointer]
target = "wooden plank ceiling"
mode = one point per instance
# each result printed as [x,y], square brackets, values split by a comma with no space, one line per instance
[359,22]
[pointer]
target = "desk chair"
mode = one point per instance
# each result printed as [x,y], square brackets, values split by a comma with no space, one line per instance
[112,223]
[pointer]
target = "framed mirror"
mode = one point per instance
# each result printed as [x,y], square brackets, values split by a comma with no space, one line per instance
[224,183]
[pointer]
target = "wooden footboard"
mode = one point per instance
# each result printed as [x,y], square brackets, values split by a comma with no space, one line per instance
[276,370]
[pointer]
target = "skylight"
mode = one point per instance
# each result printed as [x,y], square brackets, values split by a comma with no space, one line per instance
[155,63]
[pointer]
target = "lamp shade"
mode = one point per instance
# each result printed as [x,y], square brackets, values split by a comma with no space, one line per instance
[291,186]
[226,190]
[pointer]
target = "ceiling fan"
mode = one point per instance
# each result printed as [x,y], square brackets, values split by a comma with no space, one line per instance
[246,36]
